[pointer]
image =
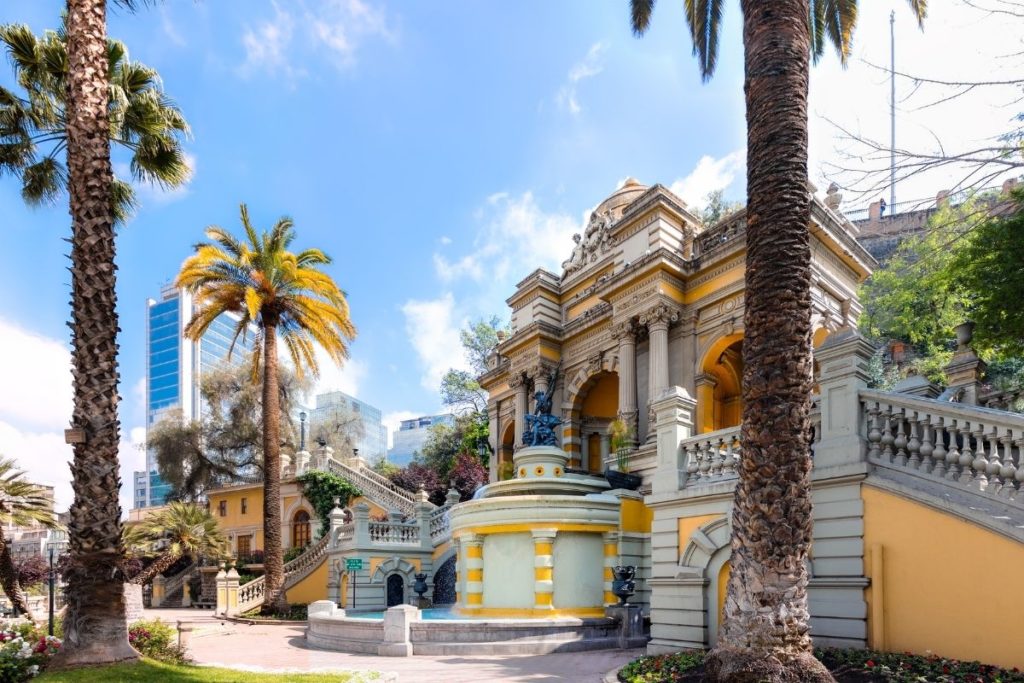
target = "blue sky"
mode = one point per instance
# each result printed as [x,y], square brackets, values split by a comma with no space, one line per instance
[437,151]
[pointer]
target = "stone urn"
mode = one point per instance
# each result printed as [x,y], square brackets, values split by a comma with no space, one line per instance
[624,586]
[964,335]
[419,587]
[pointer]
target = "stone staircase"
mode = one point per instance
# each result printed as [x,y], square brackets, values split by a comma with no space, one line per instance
[377,488]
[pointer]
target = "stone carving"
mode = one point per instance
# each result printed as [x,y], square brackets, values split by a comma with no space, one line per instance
[660,314]
[595,241]
[540,427]
[624,330]
[833,197]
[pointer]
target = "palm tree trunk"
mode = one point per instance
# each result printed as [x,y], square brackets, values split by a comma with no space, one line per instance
[274,600]
[766,631]
[157,567]
[9,579]
[94,627]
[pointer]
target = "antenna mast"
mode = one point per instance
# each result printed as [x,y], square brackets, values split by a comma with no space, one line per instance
[892,113]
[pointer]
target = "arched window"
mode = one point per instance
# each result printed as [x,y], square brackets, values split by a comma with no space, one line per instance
[301,531]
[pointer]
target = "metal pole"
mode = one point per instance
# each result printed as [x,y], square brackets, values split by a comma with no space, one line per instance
[52,580]
[892,113]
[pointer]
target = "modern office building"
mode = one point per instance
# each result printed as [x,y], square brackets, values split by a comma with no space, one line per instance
[174,371]
[338,413]
[411,435]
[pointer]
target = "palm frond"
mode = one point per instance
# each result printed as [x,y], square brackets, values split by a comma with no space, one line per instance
[640,15]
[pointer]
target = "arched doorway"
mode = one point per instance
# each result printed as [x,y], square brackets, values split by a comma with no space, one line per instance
[395,590]
[302,533]
[506,449]
[444,582]
[597,405]
[719,394]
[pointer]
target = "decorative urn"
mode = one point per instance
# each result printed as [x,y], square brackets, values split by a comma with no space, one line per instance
[624,586]
[420,585]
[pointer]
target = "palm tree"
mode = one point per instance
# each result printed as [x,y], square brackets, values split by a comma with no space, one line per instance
[765,635]
[34,126]
[186,528]
[21,504]
[279,292]
[95,631]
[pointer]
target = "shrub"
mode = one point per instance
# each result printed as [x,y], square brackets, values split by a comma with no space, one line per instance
[24,651]
[321,488]
[32,570]
[293,552]
[416,476]
[468,474]
[157,640]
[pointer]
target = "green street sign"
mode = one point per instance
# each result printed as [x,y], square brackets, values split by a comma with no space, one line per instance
[353,564]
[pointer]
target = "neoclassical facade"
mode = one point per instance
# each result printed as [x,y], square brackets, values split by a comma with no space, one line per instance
[649,298]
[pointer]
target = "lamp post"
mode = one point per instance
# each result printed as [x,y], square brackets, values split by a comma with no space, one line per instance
[302,430]
[56,542]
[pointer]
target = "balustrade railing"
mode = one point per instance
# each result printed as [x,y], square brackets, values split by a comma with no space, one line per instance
[377,487]
[712,456]
[395,533]
[250,595]
[440,523]
[177,582]
[975,448]
[1005,399]
[301,566]
[720,234]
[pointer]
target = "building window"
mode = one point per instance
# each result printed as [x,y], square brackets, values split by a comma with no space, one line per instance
[244,548]
[245,505]
[222,508]
[301,532]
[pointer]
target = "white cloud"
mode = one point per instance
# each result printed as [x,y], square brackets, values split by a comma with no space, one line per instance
[35,408]
[434,334]
[169,29]
[516,237]
[334,378]
[36,372]
[338,27]
[588,67]
[709,175]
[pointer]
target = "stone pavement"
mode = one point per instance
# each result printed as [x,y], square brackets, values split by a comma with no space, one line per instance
[283,648]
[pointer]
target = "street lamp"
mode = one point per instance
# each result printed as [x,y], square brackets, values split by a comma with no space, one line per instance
[57,542]
[302,430]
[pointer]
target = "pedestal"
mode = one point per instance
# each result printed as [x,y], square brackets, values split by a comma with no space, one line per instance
[631,625]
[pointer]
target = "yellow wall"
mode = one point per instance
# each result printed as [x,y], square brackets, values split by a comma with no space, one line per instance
[311,588]
[603,398]
[235,522]
[375,510]
[723,588]
[949,586]
[635,516]
[687,525]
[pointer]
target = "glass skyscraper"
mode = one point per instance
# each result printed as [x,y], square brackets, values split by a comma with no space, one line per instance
[337,407]
[174,370]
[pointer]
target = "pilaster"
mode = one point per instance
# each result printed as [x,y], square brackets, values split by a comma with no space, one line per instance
[657,319]
[674,410]
[543,568]
[843,371]
[625,333]
[473,547]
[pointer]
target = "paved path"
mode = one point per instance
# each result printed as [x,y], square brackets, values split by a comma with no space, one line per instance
[283,647]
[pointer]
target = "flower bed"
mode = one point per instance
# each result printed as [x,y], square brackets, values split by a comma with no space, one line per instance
[24,650]
[848,666]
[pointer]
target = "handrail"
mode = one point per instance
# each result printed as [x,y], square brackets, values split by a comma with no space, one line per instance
[250,595]
[177,581]
[389,494]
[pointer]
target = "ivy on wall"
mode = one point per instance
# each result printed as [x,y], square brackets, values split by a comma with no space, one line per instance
[321,488]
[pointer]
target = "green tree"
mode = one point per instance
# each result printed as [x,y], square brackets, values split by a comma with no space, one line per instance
[226,444]
[282,293]
[718,207]
[21,504]
[34,125]
[179,529]
[766,630]
[988,269]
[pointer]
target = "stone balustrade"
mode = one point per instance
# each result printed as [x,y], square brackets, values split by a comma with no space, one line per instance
[440,523]
[712,456]
[377,487]
[974,448]
[394,533]
[1005,399]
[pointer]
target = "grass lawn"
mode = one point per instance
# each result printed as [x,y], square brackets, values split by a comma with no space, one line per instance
[149,671]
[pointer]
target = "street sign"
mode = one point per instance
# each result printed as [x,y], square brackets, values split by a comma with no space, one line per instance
[353,564]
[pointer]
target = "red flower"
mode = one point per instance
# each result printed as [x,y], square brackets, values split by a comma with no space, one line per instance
[870,663]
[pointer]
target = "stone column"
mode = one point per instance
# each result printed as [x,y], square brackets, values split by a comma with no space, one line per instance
[625,333]
[493,440]
[705,403]
[519,382]
[584,448]
[606,448]
[222,592]
[674,409]
[843,360]
[657,320]
[543,568]
[611,558]
[473,545]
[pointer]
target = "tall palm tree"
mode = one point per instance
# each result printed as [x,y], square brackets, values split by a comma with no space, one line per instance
[766,632]
[186,528]
[95,631]
[21,504]
[279,292]
[34,124]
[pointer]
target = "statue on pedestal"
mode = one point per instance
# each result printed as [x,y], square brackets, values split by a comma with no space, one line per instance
[540,427]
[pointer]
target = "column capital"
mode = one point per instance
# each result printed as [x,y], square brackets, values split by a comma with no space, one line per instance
[624,332]
[659,316]
[705,378]
[518,380]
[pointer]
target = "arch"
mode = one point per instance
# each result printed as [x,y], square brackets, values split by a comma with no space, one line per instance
[394,590]
[302,529]
[506,449]
[393,565]
[719,392]
[593,405]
